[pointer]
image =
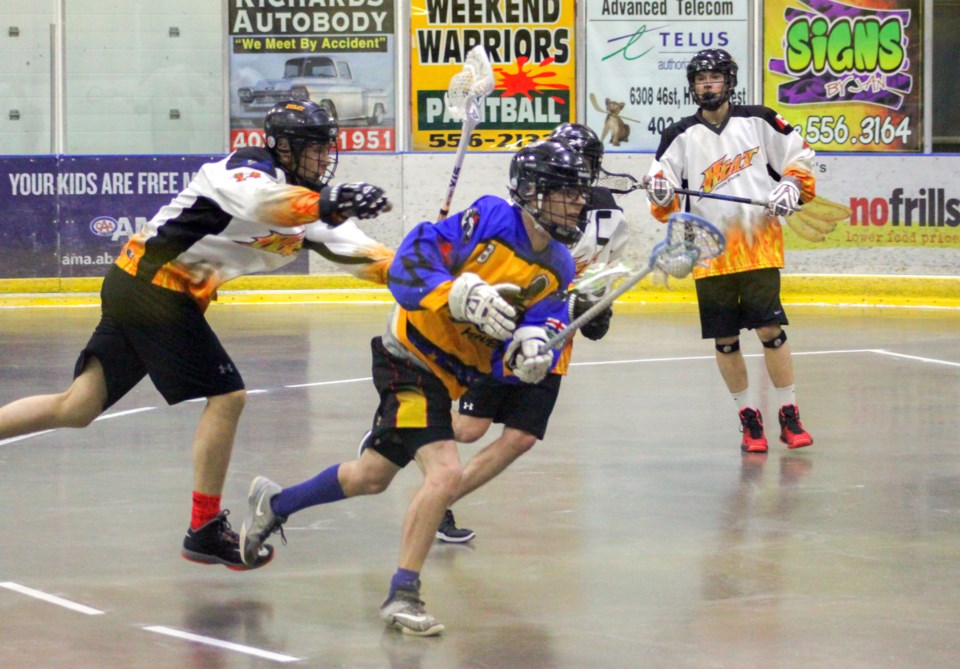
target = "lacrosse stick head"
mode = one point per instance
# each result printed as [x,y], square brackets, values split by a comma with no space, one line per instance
[470,85]
[690,241]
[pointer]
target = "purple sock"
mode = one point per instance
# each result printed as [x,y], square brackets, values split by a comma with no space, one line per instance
[321,489]
[404,579]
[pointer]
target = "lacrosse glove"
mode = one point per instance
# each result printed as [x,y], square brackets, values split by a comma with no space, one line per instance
[658,190]
[527,354]
[784,199]
[360,200]
[596,328]
[474,300]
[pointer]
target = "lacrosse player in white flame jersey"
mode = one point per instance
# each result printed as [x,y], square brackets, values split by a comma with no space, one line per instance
[246,213]
[750,152]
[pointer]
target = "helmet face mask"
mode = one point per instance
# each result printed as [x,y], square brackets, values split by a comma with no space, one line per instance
[551,183]
[583,140]
[302,136]
[712,60]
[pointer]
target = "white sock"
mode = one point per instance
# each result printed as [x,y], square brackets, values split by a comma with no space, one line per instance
[743,399]
[786,395]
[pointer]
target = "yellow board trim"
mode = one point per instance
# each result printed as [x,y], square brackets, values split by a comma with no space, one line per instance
[830,289]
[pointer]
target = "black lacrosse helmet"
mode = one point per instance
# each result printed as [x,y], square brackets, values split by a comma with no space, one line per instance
[302,123]
[541,168]
[713,60]
[582,139]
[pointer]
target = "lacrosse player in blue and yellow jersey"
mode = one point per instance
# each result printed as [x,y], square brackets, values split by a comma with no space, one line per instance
[478,293]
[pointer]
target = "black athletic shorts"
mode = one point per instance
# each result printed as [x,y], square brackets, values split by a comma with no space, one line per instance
[732,302]
[414,407]
[145,329]
[522,406]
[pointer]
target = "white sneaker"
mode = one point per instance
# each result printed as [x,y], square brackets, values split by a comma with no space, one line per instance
[404,611]
[261,521]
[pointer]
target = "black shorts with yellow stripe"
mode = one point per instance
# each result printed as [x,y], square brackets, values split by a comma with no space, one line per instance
[414,407]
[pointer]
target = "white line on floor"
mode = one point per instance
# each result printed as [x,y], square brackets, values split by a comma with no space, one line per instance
[327,383]
[598,363]
[227,645]
[52,599]
[4,442]
[118,414]
[710,357]
[918,358]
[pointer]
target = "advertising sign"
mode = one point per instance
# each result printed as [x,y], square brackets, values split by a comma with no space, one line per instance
[637,59]
[342,58]
[847,74]
[72,216]
[531,45]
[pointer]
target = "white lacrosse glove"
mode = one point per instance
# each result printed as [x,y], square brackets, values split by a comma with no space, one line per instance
[527,354]
[784,199]
[474,300]
[658,190]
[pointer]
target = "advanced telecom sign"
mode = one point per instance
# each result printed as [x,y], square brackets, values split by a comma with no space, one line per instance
[636,63]
[848,74]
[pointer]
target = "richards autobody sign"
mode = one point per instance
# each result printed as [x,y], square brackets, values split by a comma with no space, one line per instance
[637,58]
[531,45]
[848,74]
[341,55]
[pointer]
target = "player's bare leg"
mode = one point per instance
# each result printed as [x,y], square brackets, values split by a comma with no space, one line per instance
[733,369]
[493,458]
[210,538]
[440,464]
[779,363]
[403,608]
[213,441]
[78,406]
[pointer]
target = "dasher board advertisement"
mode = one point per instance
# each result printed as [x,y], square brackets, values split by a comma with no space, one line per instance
[531,46]
[848,74]
[343,58]
[637,54]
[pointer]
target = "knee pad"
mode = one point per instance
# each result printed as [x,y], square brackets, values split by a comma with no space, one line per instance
[777,341]
[727,349]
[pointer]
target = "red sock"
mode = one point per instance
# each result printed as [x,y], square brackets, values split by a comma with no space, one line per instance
[205,508]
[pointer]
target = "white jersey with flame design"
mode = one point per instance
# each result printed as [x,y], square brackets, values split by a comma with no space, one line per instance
[746,156]
[237,216]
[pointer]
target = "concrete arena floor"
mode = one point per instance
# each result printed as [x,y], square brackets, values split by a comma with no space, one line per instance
[635,535]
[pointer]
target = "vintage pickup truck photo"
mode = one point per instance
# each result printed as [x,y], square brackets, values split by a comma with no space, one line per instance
[327,81]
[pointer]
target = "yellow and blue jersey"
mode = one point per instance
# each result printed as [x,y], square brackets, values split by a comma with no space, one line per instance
[487,239]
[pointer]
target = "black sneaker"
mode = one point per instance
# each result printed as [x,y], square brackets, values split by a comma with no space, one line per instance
[448,532]
[215,543]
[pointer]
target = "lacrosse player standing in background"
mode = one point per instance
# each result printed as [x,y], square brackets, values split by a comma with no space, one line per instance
[524,410]
[243,214]
[451,325]
[745,151]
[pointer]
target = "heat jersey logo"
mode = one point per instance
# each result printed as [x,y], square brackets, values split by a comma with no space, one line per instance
[285,245]
[725,168]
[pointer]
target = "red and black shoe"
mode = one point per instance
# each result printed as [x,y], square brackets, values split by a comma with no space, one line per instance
[751,424]
[791,429]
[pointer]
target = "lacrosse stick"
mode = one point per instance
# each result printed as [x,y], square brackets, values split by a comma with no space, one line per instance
[466,91]
[621,184]
[690,240]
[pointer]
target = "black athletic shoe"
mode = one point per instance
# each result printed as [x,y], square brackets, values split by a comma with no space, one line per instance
[215,543]
[448,532]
